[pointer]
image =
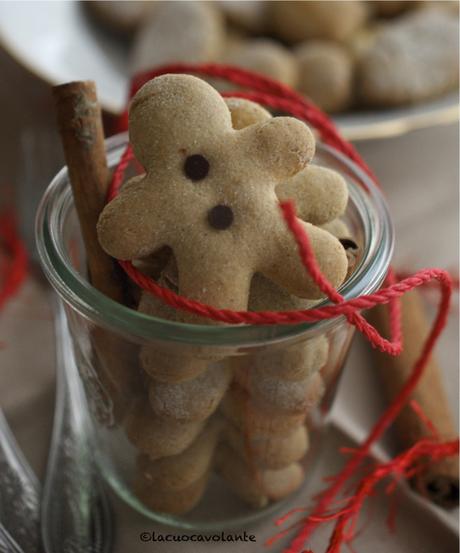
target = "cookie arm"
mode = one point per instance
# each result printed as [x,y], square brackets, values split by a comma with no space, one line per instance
[287,269]
[320,194]
[130,226]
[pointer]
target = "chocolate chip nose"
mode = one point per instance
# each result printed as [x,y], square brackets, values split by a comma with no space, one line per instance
[220,217]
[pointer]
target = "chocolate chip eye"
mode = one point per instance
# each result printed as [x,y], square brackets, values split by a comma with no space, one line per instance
[196,167]
[348,244]
[220,217]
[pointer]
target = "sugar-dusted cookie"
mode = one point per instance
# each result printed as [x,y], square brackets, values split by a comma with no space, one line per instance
[412,59]
[158,437]
[257,487]
[191,32]
[193,399]
[325,74]
[296,21]
[268,451]
[267,57]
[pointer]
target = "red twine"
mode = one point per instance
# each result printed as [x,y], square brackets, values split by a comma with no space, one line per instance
[275,95]
[14,269]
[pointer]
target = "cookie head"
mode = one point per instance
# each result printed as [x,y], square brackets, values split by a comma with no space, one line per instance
[172,117]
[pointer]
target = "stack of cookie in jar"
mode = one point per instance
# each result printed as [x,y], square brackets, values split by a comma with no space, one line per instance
[215,171]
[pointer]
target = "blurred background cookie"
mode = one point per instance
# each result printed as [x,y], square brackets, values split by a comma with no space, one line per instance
[267,57]
[190,32]
[411,60]
[298,21]
[120,16]
[325,74]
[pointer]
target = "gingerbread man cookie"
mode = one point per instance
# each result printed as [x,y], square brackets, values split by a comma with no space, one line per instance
[209,194]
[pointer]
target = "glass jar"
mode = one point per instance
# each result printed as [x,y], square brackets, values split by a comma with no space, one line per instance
[198,426]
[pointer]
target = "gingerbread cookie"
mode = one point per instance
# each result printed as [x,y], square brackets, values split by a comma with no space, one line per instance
[181,132]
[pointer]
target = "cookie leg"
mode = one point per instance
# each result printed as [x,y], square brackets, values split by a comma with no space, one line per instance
[260,487]
[157,437]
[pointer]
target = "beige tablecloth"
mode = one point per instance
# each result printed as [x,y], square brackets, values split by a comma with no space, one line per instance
[419,173]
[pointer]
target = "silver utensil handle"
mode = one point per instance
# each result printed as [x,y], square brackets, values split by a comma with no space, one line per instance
[7,544]
[76,517]
[19,493]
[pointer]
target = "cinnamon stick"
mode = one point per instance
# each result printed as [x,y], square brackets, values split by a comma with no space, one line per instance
[116,379]
[80,125]
[440,483]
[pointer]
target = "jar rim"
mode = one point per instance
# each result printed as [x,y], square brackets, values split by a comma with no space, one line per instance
[100,309]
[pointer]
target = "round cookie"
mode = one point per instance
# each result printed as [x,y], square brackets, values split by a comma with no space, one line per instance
[267,451]
[412,59]
[191,32]
[296,21]
[178,472]
[156,437]
[266,57]
[257,488]
[325,72]
[192,400]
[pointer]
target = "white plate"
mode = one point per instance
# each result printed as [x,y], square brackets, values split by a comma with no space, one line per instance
[57,42]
